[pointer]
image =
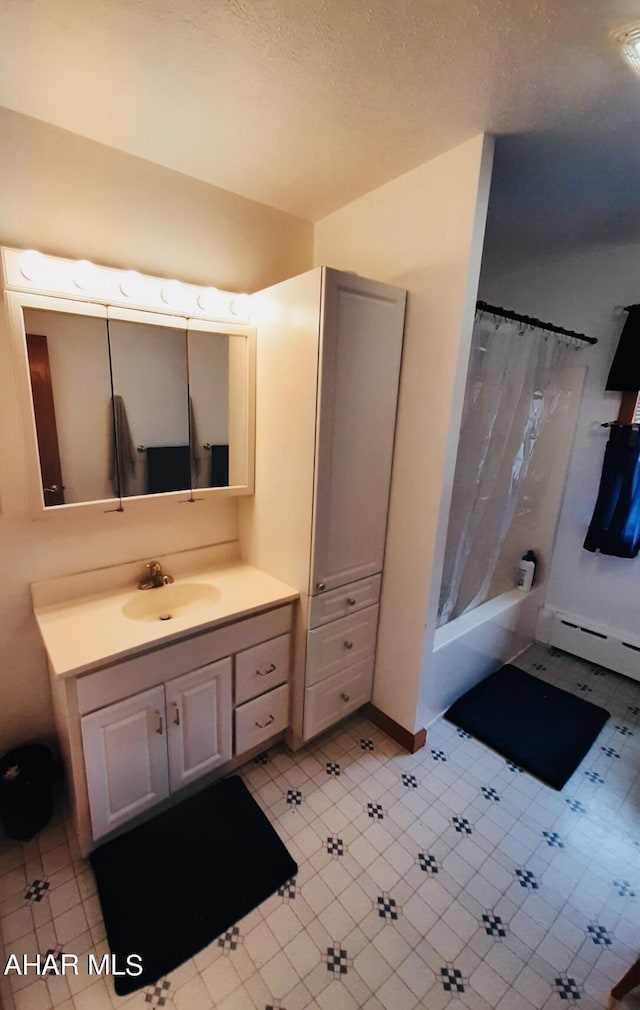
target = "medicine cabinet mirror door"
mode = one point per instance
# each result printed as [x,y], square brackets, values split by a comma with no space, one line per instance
[122,405]
[150,404]
[221,408]
[68,396]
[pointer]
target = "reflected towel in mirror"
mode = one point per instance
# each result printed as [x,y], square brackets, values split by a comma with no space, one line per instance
[168,468]
[194,442]
[219,466]
[122,458]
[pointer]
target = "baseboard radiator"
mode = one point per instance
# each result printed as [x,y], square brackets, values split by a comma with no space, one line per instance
[597,643]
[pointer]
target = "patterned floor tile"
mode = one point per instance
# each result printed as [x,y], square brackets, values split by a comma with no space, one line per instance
[449,879]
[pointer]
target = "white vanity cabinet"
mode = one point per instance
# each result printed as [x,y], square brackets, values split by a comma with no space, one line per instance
[139,750]
[327,373]
[139,731]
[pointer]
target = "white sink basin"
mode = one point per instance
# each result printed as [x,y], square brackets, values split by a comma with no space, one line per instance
[167,602]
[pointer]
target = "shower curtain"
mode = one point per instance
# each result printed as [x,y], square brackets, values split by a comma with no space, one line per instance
[510,391]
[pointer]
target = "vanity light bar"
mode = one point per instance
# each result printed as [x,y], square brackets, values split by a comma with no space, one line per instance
[628,38]
[30,270]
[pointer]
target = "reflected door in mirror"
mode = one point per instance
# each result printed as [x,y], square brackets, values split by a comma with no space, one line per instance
[72,408]
[45,418]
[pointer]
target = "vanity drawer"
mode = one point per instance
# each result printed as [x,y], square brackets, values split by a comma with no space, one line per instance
[261,718]
[341,643]
[336,697]
[261,668]
[343,601]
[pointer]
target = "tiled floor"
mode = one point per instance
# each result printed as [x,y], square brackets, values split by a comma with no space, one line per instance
[448,878]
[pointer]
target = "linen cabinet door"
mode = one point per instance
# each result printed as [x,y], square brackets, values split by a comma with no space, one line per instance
[361,346]
[199,717]
[125,756]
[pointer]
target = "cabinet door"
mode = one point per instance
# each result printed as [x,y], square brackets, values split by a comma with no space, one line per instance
[199,714]
[361,345]
[126,759]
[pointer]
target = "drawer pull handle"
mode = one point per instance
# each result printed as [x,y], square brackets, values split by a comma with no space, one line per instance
[320,586]
[345,697]
[263,673]
[263,725]
[348,644]
[176,721]
[159,727]
[351,600]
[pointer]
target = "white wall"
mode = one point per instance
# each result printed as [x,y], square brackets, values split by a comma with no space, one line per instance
[585,291]
[422,231]
[72,197]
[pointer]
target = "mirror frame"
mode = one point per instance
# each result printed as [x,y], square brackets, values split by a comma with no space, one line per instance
[18,297]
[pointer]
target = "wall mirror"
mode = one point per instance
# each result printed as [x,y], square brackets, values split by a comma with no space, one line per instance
[123,405]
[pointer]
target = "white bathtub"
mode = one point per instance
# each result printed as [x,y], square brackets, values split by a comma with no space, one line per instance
[472,646]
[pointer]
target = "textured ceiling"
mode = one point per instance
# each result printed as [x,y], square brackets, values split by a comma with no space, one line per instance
[306,104]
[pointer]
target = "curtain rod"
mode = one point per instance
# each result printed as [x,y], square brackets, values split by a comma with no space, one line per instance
[497,310]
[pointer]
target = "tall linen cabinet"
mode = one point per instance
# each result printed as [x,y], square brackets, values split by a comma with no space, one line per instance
[329,346]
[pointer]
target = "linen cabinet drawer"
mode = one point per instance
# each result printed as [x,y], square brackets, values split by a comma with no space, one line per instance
[341,643]
[343,601]
[259,719]
[336,697]
[261,668]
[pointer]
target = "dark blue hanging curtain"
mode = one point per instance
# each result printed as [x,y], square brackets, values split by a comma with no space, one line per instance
[615,527]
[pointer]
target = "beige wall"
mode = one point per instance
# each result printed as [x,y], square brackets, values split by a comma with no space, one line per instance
[422,231]
[72,197]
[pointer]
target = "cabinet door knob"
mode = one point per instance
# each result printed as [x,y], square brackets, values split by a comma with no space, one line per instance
[262,725]
[351,601]
[320,586]
[52,489]
[176,721]
[345,697]
[348,644]
[160,726]
[263,673]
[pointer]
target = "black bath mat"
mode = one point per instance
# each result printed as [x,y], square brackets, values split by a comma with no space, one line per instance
[171,886]
[539,727]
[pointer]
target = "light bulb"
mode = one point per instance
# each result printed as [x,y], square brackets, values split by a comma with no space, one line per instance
[209,300]
[628,38]
[171,292]
[239,305]
[32,265]
[84,274]
[131,283]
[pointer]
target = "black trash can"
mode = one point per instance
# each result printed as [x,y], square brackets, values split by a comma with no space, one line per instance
[26,790]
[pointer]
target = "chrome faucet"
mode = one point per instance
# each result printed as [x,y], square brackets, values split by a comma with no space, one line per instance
[156,577]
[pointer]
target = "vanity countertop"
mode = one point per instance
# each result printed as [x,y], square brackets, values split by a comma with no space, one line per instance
[87,632]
